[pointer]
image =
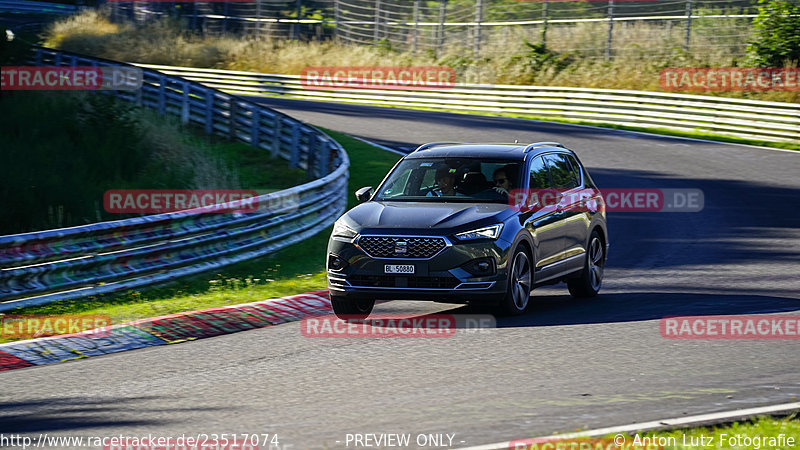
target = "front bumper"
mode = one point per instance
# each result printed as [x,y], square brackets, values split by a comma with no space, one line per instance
[447,276]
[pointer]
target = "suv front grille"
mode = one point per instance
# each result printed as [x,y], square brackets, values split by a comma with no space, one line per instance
[412,282]
[393,246]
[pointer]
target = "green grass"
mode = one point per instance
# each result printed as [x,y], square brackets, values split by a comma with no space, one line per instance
[762,427]
[296,269]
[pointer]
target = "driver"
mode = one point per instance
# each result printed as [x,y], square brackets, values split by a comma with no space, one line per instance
[445,182]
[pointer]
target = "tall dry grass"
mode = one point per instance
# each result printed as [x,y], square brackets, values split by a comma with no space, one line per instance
[575,54]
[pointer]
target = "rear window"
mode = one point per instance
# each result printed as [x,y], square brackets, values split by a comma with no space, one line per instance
[576,168]
[561,173]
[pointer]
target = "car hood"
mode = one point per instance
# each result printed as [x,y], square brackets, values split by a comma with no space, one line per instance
[424,215]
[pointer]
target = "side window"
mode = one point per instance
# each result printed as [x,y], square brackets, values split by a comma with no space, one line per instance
[560,171]
[539,177]
[576,168]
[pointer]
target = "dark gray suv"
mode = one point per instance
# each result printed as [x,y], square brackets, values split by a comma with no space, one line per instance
[464,223]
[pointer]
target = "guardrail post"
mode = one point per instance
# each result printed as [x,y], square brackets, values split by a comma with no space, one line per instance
[257,27]
[336,18]
[277,135]
[225,17]
[38,57]
[255,127]
[311,157]
[57,59]
[376,31]
[232,111]
[324,158]
[294,160]
[209,110]
[298,10]
[185,105]
[162,109]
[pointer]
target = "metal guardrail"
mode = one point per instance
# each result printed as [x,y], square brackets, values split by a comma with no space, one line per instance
[750,119]
[46,266]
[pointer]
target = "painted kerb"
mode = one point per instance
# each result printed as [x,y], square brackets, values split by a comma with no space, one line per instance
[46,266]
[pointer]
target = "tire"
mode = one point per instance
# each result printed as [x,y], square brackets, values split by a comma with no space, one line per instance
[591,278]
[518,288]
[352,309]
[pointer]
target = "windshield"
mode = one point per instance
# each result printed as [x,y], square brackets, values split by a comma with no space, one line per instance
[451,180]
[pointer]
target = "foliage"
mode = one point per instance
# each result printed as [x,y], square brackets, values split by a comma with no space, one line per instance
[541,57]
[777,34]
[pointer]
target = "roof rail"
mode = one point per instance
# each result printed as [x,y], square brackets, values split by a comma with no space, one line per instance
[542,144]
[433,144]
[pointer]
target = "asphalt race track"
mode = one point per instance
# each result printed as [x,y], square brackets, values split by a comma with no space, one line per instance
[565,365]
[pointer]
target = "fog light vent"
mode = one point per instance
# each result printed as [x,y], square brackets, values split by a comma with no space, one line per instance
[336,263]
[481,267]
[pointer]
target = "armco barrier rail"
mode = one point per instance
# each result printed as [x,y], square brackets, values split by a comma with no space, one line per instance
[750,119]
[46,266]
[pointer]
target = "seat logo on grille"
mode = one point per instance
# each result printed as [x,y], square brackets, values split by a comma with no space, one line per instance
[400,247]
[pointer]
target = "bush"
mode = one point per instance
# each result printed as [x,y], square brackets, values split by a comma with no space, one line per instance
[777,34]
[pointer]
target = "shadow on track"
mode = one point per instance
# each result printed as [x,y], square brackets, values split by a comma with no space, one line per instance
[75,413]
[551,309]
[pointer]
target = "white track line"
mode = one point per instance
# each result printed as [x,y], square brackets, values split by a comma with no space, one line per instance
[382,147]
[678,422]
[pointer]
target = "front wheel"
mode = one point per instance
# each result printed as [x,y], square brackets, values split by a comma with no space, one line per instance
[518,290]
[591,277]
[352,309]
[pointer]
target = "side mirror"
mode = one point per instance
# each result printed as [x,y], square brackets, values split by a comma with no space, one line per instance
[364,194]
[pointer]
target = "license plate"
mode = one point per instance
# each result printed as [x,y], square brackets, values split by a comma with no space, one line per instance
[399,268]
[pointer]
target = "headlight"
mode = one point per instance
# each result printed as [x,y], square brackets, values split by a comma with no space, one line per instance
[491,232]
[342,230]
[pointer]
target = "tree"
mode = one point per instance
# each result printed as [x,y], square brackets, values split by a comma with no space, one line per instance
[777,33]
